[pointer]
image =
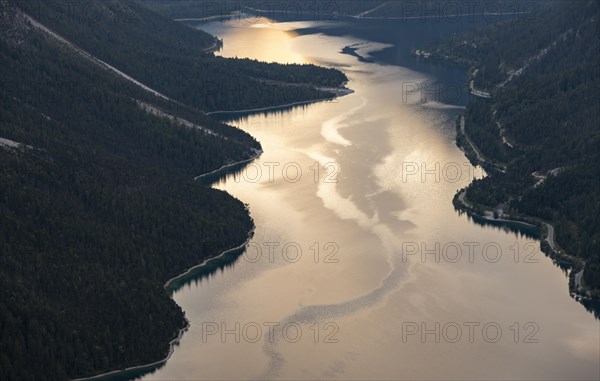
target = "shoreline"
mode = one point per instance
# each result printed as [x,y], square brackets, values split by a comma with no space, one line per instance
[478,157]
[227,166]
[339,92]
[270,108]
[460,203]
[548,246]
[138,368]
[359,17]
[574,264]
[168,286]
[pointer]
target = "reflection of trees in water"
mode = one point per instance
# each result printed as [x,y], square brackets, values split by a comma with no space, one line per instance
[219,178]
[522,231]
[209,269]
[592,306]
[196,278]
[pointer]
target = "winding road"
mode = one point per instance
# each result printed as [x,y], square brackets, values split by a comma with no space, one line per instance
[480,157]
[552,244]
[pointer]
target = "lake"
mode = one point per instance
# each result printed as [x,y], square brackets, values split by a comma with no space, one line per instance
[360,267]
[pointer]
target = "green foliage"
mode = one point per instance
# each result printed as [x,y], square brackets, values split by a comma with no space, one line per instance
[294,10]
[481,127]
[550,112]
[97,205]
[305,9]
[97,211]
[500,48]
[175,59]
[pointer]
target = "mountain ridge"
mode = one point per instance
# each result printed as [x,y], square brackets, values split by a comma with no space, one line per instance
[539,121]
[98,207]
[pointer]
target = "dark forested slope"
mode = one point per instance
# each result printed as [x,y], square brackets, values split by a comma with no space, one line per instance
[542,120]
[319,10]
[176,59]
[97,210]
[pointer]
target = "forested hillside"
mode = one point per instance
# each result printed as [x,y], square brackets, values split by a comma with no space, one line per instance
[98,208]
[293,10]
[101,136]
[315,9]
[541,120]
[176,59]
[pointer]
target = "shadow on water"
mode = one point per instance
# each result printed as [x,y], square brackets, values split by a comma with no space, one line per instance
[592,306]
[208,270]
[521,230]
[194,276]
[217,178]
[276,111]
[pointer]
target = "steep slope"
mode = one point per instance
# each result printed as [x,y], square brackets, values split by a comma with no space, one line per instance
[175,59]
[319,10]
[304,9]
[98,208]
[541,123]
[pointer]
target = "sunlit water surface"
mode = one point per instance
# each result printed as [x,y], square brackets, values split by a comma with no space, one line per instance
[358,281]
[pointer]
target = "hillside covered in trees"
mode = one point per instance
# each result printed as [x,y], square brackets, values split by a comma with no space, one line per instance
[320,10]
[98,207]
[541,121]
[176,59]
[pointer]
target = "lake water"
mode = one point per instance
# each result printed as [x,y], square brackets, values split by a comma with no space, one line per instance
[360,268]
